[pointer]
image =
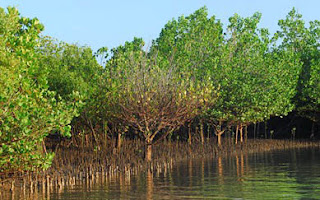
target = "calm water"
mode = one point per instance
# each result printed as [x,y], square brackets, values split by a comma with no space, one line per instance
[291,174]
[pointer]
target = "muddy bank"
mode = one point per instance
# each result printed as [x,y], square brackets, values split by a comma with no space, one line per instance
[74,165]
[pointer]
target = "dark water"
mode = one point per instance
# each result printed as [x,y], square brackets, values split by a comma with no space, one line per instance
[291,174]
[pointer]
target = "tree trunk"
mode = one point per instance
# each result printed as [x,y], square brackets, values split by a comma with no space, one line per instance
[219,132]
[237,130]
[119,141]
[87,140]
[219,139]
[94,135]
[148,153]
[44,149]
[201,132]
[254,130]
[241,133]
[189,133]
[148,150]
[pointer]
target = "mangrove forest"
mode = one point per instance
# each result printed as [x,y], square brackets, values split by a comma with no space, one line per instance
[199,87]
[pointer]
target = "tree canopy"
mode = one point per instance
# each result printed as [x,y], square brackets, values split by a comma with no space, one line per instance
[196,70]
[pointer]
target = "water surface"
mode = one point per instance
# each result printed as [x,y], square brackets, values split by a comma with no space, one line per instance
[290,174]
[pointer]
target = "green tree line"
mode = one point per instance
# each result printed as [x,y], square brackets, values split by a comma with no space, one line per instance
[195,72]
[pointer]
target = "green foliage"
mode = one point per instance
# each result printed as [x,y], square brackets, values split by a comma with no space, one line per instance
[194,69]
[73,69]
[70,68]
[239,76]
[258,82]
[303,42]
[313,87]
[193,44]
[28,111]
[239,72]
[310,104]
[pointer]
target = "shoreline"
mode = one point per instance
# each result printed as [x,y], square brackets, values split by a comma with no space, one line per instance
[73,165]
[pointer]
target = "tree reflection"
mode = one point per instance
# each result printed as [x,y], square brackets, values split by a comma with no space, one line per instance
[273,175]
[149,184]
[190,172]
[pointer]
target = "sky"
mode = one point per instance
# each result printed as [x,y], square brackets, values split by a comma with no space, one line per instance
[110,23]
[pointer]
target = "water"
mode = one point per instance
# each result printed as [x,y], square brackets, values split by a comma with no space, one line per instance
[293,174]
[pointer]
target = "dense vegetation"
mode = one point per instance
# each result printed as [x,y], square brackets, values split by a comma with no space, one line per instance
[195,74]
[29,110]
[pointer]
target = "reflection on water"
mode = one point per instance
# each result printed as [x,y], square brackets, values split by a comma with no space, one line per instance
[291,174]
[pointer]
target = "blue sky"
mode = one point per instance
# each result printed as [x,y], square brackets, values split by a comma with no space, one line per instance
[98,23]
